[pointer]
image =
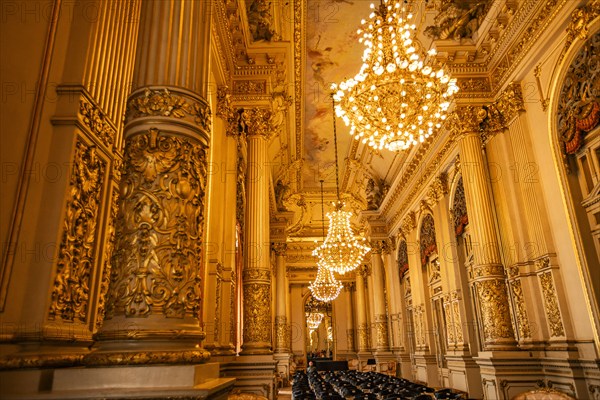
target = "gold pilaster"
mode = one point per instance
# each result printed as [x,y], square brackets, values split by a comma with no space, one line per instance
[361,315]
[256,275]
[488,271]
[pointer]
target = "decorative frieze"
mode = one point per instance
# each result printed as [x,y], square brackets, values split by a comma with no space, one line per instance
[77,254]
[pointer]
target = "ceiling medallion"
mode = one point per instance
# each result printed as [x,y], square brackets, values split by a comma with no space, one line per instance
[396,100]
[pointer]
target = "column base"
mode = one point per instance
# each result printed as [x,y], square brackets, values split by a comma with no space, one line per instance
[150,382]
[427,370]
[253,373]
[464,375]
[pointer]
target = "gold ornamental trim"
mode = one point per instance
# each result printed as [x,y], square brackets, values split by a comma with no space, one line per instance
[76,254]
[98,123]
[161,102]
[495,312]
[257,313]
[146,357]
[553,315]
[15,362]
[158,252]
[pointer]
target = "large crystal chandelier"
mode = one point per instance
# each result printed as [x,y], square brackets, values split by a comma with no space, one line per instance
[397,99]
[325,287]
[340,252]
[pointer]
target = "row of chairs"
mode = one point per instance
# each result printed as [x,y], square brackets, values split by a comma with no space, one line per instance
[339,385]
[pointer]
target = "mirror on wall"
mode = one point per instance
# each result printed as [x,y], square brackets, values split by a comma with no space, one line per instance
[318,317]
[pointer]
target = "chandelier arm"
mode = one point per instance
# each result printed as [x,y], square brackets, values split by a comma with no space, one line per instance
[337,172]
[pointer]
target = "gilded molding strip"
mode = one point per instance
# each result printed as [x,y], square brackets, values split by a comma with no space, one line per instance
[98,123]
[108,258]
[551,305]
[76,255]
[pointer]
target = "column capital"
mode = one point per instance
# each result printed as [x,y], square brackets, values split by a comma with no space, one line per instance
[255,121]
[438,189]
[409,222]
[227,112]
[279,248]
[489,119]
[168,102]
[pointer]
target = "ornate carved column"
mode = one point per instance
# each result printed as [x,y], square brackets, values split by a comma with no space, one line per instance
[349,288]
[488,272]
[155,290]
[362,326]
[281,323]
[256,275]
[380,320]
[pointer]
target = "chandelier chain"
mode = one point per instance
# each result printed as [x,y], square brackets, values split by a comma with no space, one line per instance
[337,172]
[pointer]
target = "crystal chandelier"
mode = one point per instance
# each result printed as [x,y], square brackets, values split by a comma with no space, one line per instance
[325,287]
[313,320]
[396,100]
[340,252]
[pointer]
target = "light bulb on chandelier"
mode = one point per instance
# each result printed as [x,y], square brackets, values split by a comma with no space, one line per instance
[396,100]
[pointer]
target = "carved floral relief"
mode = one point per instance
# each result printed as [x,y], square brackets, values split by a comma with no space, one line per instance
[76,256]
[157,265]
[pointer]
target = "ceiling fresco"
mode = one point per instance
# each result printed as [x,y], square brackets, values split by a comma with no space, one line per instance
[332,54]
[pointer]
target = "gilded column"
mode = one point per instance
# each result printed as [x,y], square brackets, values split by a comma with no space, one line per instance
[155,294]
[361,313]
[349,288]
[488,271]
[256,275]
[392,282]
[281,323]
[380,320]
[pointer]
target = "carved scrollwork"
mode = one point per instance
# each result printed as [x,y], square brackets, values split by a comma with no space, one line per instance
[157,265]
[95,119]
[147,357]
[76,256]
[459,209]
[579,100]
[281,332]
[427,238]
[409,223]
[402,258]
[381,331]
[495,313]
[521,312]
[255,121]
[257,315]
[551,305]
[108,260]
[279,248]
